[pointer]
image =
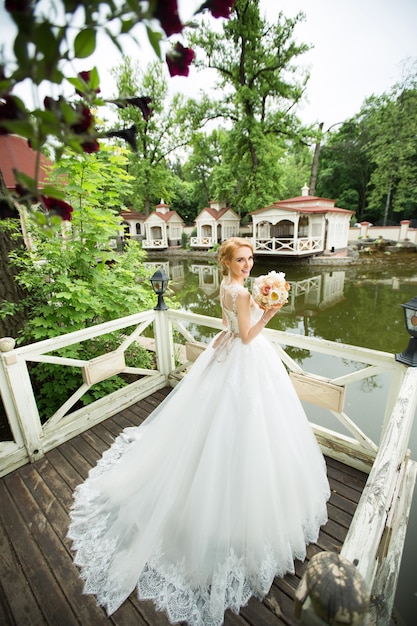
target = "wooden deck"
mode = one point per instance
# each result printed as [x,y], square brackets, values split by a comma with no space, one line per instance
[40,585]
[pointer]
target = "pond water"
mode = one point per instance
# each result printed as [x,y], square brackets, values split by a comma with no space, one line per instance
[357,305]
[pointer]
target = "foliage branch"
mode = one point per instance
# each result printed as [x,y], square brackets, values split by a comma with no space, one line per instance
[50,36]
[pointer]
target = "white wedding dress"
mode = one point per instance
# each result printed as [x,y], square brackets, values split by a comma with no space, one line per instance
[214,495]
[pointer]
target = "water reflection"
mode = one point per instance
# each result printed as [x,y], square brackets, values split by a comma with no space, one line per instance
[344,305]
[208,278]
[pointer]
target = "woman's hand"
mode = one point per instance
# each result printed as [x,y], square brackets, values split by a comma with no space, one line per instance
[271,312]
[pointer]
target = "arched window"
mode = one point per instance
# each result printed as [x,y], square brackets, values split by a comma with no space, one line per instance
[283,230]
[303,226]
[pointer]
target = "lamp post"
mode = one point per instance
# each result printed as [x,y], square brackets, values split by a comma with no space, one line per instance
[409,356]
[159,282]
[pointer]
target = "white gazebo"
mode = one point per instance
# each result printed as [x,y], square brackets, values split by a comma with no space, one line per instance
[163,228]
[215,224]
[132,224]
[301,226]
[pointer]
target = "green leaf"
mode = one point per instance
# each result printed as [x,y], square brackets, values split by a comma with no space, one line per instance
[94,78]
[21,51]
[126,26]
[45,40]
[53,192]
[155,41]
[85,43]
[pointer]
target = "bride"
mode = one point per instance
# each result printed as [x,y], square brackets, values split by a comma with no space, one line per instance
[218,491]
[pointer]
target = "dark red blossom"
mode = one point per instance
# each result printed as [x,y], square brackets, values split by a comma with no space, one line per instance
[25,195]
[128,134]
[179,60]
[83,124]
[141,102]
[57,207]
[18,6]
[10,111]
[49,103]
[218,8]
[166,12]
[85,76]
[91,145]
[85,120]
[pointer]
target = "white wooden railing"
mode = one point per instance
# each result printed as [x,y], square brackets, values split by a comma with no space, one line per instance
[31,439]
[288,245]
[202,242]
[376,536]
[155,243]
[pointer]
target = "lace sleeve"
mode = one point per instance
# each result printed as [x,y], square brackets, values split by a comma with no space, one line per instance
[228,296]
[233,295]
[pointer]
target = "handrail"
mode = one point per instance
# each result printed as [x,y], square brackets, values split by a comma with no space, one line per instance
[362,542]
[32,439]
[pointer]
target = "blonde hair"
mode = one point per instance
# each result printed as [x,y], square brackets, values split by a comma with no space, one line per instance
[228,248]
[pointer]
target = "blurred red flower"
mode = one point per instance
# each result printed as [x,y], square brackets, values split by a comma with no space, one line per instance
[179,60]
[166,12]
[218,8]
[58,207]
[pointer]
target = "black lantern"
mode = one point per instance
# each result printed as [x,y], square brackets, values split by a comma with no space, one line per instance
[159,282]
[409,356]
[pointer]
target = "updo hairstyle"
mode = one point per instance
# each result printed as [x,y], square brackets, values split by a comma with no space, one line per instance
[228,248]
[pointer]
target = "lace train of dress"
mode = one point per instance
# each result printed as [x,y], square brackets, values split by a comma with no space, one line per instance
[214,495]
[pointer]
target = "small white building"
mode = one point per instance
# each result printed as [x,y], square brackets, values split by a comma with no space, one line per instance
[163,228]
[132,224]
[215,224]
[301,226]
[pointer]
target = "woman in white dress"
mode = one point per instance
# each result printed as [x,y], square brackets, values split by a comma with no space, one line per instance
[218,491]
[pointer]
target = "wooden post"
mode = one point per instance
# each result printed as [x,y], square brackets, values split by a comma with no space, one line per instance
[21,394]
[164,343]
[335,592]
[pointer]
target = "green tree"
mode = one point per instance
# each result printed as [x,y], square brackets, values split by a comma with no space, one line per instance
[160,136]
[203,162]
[392,125]
[74,279]
[345,167]
[295,170]
[260,88]
[46,47]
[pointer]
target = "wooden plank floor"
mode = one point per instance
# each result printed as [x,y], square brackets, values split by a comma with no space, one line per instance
[39,585]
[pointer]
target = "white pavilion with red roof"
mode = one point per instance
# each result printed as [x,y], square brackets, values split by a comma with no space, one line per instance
[215,224]
[301,226]
[163,228]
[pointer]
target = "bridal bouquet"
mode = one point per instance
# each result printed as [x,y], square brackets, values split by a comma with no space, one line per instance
[270,290]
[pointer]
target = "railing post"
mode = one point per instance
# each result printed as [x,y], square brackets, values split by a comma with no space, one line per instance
[21,394]
[164,343]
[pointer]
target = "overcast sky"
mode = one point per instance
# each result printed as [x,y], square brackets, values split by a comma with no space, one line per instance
[359,49]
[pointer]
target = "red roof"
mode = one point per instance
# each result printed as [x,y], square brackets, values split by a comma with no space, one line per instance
[16,154]
[309,204]
[216,213]
[303,199]
[132,214]
[166,216]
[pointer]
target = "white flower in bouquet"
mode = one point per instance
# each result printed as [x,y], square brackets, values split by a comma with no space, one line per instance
[270,290]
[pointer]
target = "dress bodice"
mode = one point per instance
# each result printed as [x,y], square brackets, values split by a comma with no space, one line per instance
[228,296]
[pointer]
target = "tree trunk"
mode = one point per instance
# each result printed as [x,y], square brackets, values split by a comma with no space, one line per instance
[315,164]
[10,291]
[388,200]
